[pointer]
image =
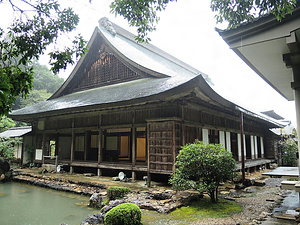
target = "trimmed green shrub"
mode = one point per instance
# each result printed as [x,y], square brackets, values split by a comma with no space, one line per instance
[124,214]
[203,167]
[115,192]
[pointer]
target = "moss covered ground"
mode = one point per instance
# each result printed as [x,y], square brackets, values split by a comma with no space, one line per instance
[194,212]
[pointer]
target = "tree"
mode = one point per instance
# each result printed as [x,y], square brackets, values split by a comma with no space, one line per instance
[238,11]
[6,123]
[7,147]
[289,148]
[45,84]
[143,14]
[40,24]
[44,79]
[203,167]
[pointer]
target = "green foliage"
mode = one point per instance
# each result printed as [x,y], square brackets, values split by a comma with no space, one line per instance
[28,38]
[6,123]
[34,97]
[7,147]
[143,14]
[115,192]
[124,214]
[238,11]
[45,84]
[140,14]
[289,151]
[203,167]
[30,153]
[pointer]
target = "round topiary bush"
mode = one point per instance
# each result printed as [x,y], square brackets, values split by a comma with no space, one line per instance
[124,214]
[115,192]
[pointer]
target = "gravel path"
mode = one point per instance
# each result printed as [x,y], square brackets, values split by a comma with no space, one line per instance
[256,205]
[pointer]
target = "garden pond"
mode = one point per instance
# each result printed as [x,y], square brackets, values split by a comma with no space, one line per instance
[31,205]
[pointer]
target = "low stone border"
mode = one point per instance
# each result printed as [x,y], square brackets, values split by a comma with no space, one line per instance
[85,188]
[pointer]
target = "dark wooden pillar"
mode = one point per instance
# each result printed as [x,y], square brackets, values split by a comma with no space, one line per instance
[72,148]
[43,147]
[183,134]
[133,152]
[173,145]
[86,144]
[148,156]
[100,154]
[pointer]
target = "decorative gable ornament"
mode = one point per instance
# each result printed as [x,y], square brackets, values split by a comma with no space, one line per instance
[104,22]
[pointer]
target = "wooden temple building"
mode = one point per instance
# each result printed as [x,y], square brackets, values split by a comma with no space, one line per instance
[130,107]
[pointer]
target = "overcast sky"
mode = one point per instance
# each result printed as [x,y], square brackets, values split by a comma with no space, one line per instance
[186,30]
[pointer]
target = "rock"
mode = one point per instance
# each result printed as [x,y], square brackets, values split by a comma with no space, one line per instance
[254,222]
[270,200]
[259,183]
[224,192]
[115,179]
[88,174]
[111,205]
[239,186]
[96,201]
[2,177]
[93,219]
[273,166]
[157,195]
[249,182]
[232,192]
[250,190]
[263,216]
[229,198]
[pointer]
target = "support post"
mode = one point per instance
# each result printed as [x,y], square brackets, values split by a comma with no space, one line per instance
[174,145]
[99,172]
[86,144]
[148,156]
[72,148]
[43,147]
[242,146]
[133,152]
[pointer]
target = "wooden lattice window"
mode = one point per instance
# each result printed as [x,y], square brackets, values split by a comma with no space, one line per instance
[106,70]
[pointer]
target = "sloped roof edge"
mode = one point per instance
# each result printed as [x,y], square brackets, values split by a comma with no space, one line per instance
[16,132]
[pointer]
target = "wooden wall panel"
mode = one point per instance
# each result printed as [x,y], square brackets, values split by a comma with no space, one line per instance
[164,144]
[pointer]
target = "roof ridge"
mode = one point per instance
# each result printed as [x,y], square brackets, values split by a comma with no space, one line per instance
[115,29]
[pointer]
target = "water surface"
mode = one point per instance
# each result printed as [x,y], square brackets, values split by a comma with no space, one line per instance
[22,204]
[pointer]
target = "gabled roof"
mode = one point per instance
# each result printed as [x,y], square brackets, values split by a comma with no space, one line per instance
[159,72]
[16,132]
[145,59]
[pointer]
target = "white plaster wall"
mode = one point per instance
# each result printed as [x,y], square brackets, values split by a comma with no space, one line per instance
[239,147]
[222,138]
[205,135]
[228,141]
[255,147]
[262,147]
[252,147]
